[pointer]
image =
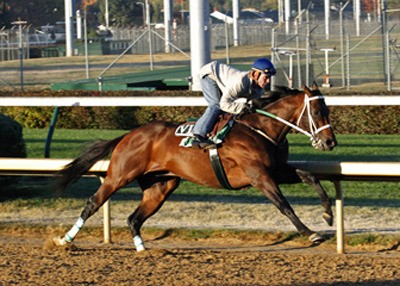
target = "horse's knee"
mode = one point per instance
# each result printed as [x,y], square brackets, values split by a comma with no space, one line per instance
[307,177]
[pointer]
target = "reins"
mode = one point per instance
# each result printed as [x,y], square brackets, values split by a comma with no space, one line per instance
[314,130]
[262,133]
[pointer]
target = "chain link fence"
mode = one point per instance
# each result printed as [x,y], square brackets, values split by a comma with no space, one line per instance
[303,51]
[344,57]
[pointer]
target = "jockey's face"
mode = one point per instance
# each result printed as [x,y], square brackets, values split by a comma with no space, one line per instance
[263,80]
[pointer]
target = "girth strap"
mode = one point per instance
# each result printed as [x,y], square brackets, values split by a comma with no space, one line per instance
[219,171]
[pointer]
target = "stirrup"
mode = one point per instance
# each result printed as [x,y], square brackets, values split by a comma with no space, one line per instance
[203,143]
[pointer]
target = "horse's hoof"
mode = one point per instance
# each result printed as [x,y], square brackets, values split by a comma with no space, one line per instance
[316,238]
[53,243]
[59,241]
[328,218]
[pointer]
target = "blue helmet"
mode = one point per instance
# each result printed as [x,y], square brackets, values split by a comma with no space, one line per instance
[264,65]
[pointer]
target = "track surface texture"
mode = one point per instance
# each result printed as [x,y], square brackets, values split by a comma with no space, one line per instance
[239,259]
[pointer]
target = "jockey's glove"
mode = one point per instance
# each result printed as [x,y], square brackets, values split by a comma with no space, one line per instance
[248,108]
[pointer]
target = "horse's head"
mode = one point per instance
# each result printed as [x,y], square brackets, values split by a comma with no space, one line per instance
[314,118]
[303,110]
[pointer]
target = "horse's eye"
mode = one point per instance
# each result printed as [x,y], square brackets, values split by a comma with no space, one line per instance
[316,112]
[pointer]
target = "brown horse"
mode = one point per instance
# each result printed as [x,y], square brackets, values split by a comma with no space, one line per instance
[254,153]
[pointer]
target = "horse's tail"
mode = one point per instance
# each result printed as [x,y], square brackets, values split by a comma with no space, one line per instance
[74,170]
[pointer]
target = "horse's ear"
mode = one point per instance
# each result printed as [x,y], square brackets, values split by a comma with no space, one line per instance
[305,88]
[314,86]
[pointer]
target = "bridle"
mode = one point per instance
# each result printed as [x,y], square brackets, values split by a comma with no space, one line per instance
[314,129]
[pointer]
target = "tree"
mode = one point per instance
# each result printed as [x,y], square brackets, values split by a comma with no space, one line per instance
[36,12]
[122,12]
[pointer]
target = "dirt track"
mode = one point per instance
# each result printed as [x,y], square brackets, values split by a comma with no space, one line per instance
[170,260]
[232,258]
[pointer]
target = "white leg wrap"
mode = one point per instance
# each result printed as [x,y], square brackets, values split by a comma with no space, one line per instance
[70,236]
[137,240]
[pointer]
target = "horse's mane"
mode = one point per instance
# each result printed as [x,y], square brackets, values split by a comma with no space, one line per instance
[272,96]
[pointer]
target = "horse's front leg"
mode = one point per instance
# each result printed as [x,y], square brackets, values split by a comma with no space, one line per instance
[287,174]
[313,181]
[270,189]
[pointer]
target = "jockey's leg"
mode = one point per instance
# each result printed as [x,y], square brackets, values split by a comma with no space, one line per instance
[212,95]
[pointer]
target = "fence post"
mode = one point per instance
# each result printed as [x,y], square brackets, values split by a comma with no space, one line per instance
[339,217]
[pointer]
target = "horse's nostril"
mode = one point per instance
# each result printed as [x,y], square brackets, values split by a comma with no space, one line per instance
[331,143]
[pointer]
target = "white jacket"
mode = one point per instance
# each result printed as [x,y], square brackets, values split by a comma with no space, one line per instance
[233,84]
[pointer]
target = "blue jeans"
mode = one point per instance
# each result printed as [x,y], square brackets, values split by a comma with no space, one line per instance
[212,95]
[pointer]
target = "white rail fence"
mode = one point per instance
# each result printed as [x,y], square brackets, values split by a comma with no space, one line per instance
[334,171]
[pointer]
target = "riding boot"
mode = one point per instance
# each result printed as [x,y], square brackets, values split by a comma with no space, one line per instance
[201,142]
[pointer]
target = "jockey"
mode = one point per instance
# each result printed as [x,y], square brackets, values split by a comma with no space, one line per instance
[222,85]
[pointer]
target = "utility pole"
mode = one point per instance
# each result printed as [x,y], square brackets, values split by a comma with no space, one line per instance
[107,16]
[236,34]
[167,24]
[21,52]
[69,43]
[199,39]
[327,17]
[287,16]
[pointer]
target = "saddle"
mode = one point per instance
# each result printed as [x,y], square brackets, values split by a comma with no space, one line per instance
[220,130]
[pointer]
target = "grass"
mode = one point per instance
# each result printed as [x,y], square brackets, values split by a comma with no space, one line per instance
[69,144]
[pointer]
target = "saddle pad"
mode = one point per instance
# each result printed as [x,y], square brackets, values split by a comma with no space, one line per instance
[185,130]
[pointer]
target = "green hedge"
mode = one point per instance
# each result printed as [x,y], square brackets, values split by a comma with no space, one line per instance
[345,119]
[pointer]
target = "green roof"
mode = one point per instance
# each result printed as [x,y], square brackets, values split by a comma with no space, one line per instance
[169,78]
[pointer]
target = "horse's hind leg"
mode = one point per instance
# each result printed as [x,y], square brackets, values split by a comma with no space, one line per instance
[286,174]
[155,192]
[93,204]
